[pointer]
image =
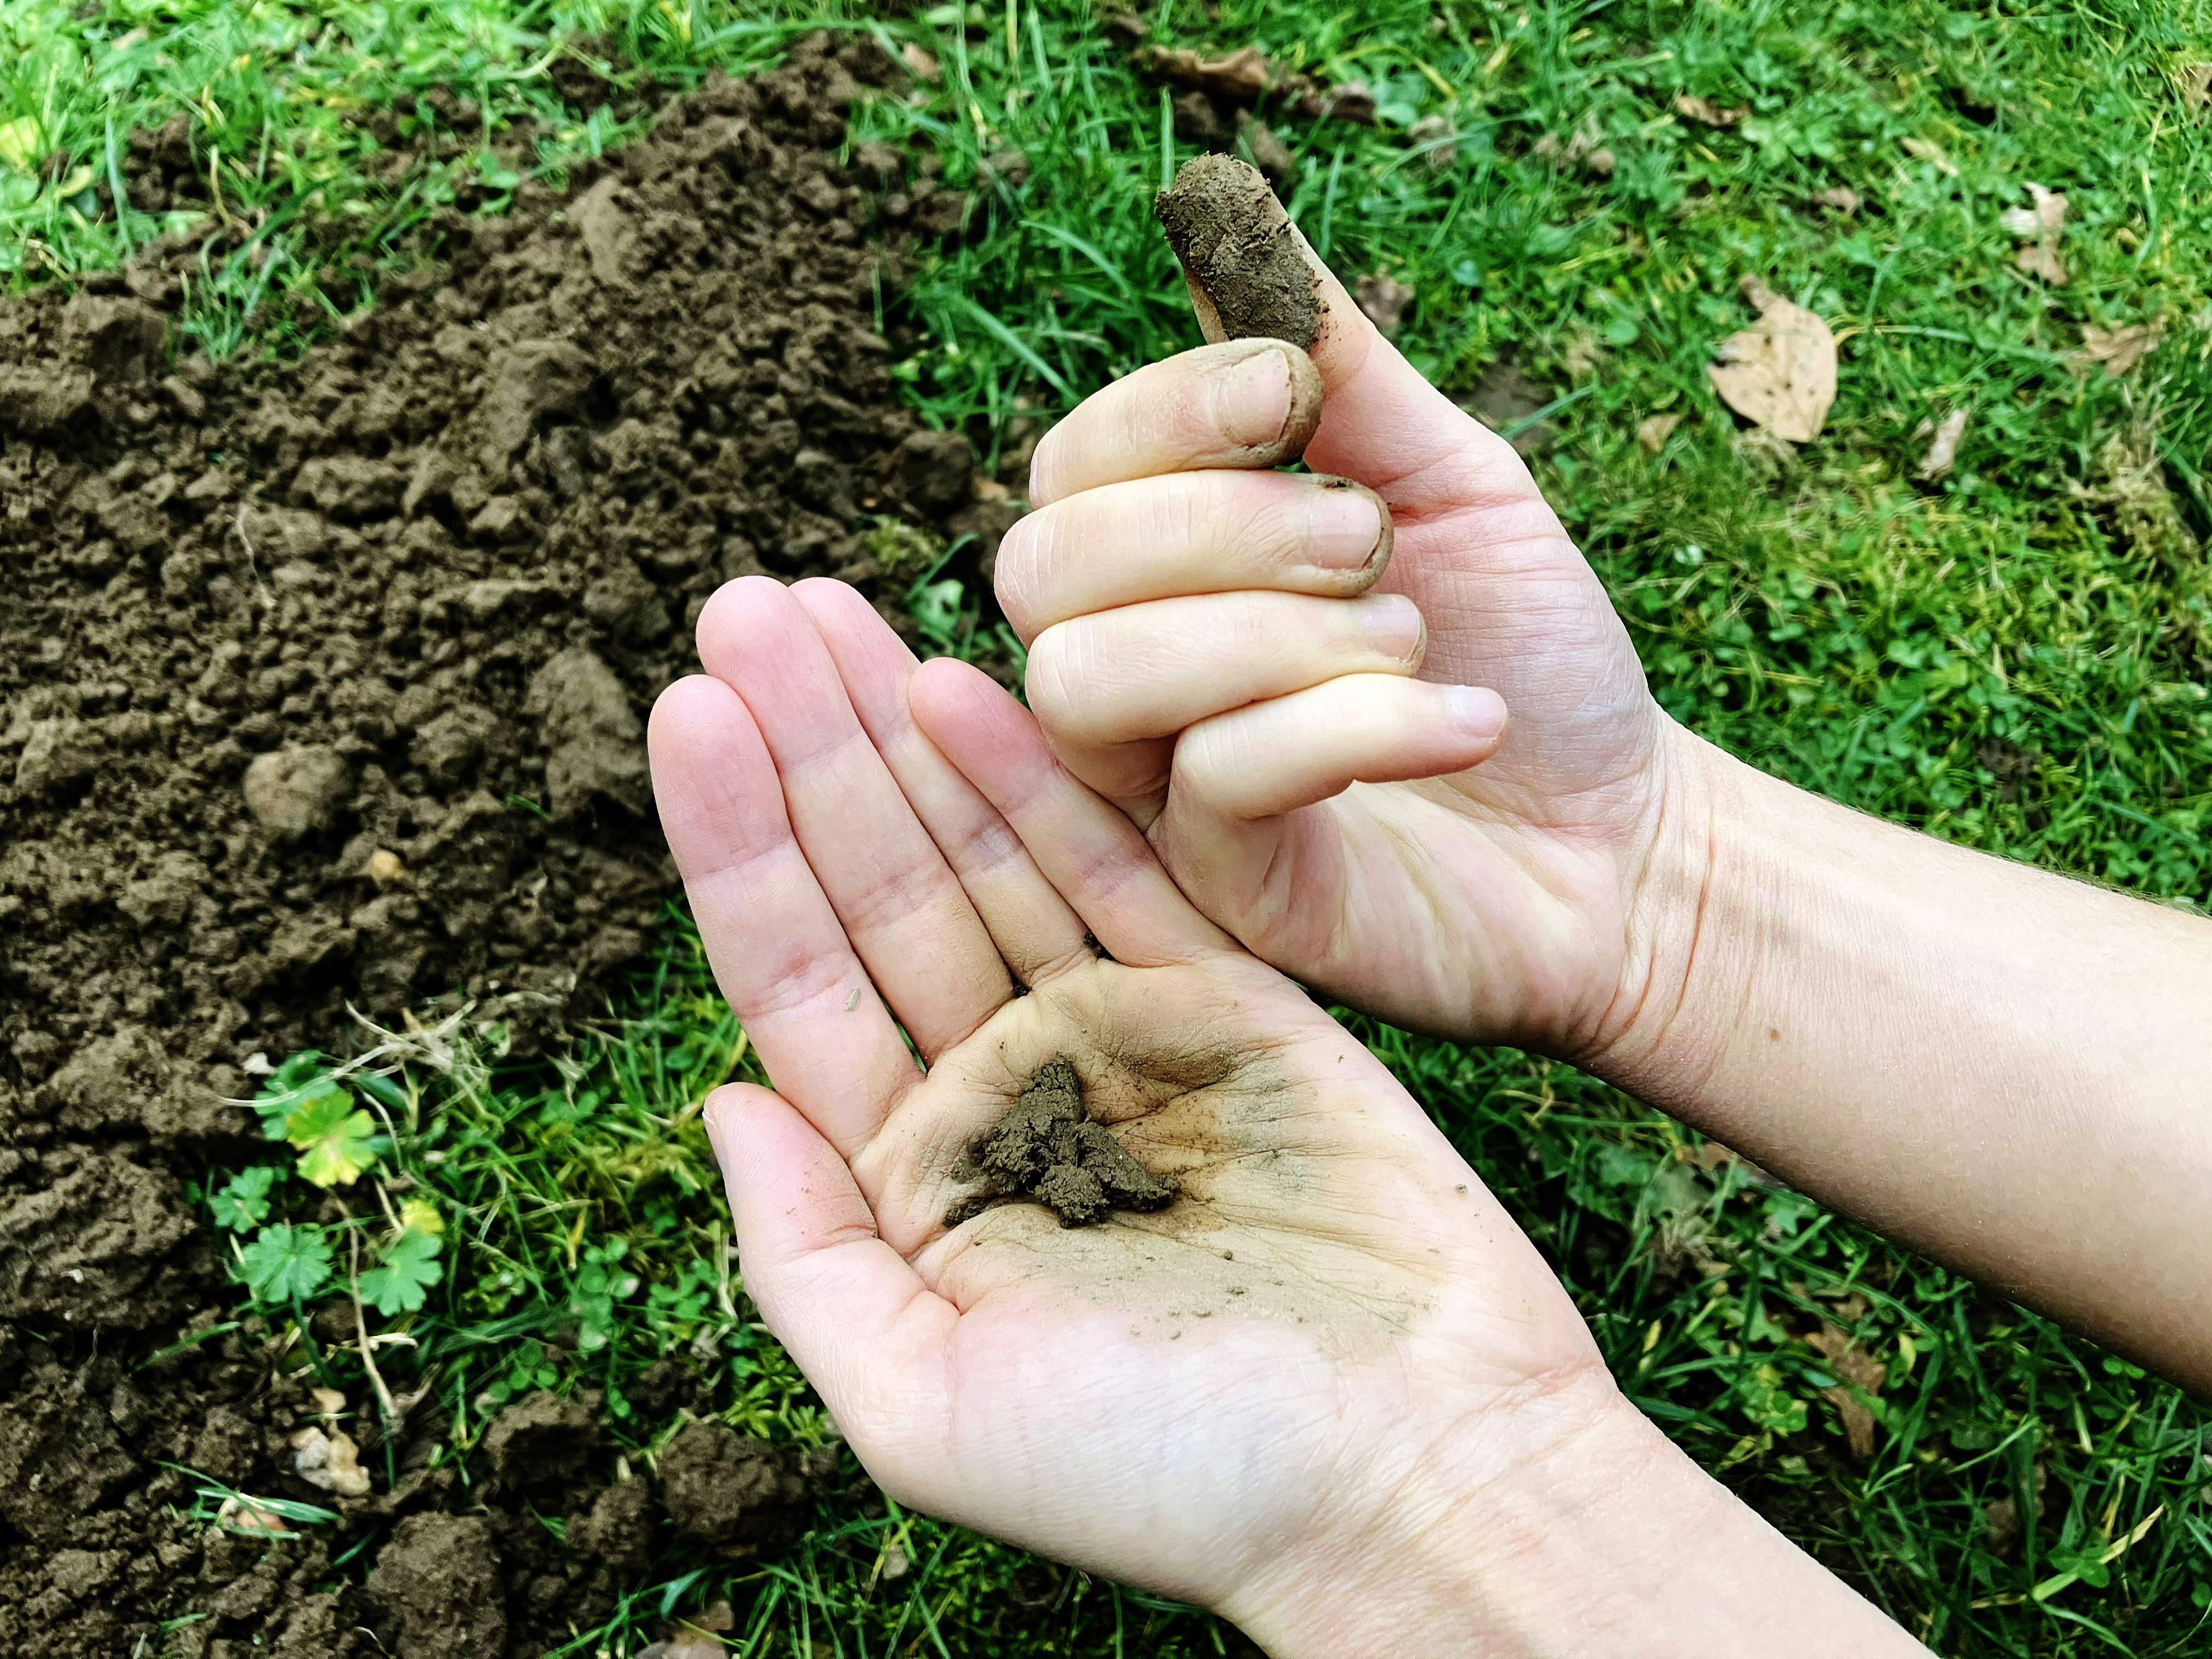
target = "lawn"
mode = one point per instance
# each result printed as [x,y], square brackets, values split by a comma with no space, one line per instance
[2015,655]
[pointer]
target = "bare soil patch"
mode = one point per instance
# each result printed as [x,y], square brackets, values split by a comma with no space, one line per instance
[322,686]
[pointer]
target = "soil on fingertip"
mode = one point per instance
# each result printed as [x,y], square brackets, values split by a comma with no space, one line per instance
[1235,244]
[322,688]
[1047,1147]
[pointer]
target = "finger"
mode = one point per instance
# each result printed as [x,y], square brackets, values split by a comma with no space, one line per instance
[1112,690]
[1190,533]
[1239,404]
[778,951]
[1385,425]
[1035,930]
[1274,757]
[1090,852]
[901,905]
[869,1334]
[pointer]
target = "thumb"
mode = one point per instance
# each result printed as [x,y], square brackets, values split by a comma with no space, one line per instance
[869,1334]
[1383,425]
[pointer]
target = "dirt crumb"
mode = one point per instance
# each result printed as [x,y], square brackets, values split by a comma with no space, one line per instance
[441,1576]
[1048,1147]
[741,1494]
[1235,244]
[544,1441]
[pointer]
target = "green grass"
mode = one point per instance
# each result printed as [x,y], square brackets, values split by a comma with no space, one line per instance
[2015,658]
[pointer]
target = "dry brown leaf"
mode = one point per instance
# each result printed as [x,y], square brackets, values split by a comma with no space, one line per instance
[2119,348]
[1582,150]
[2041,221]
[244,1515]
[1842,199]
[921,61]
[1853,1365]
[331,1461]
[1384,299]
[1244,77]
[1353,100]
[2195,81]
[1780,373]
[1705,110]
[1437,138]
[1652,431]
[1929,151]
[1943,450]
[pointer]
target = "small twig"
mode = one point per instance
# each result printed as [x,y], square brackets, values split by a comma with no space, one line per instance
[253,565]
[361,1330]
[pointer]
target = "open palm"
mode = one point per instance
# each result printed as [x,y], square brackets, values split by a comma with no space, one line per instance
[1332,1320]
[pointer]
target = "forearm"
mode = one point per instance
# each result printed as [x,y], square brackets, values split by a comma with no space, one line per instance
[1615,1543]
[1998,1066]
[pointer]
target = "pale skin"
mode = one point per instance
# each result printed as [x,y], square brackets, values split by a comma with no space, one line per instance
[1998,1066]
[1331,1392]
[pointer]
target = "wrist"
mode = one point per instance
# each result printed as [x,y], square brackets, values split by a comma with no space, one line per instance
[1658,1036]
[1602,1539]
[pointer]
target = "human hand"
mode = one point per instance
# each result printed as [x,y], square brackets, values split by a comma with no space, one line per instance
[1236,658]
[1332,1363]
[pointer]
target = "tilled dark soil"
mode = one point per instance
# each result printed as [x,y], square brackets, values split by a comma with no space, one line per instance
[324,688]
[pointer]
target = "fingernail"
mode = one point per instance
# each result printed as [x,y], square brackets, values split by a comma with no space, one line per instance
[1344,527]
[1394,626]
[1252,397]
[1476,709]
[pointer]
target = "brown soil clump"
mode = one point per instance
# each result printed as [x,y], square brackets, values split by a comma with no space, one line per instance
[1247,277]
[1048,1147]
[741,1494]
[324,684]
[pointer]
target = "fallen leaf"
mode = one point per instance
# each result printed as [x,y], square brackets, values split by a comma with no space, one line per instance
[1779,373]
[2195,81]
[1384,299]
[1351,100]
[2119,348]
[1846,1359]
[244,1515]
[2000,1525]
[1853,1365]
[1652,431]
[1707,111]
[2043,222]
[921,61]
[1244,77]
[1943,451]
[1842,199]
[1582,150]
[1435,136]
[1505,399]
[1929,151]
[1274,159]
[329,1461]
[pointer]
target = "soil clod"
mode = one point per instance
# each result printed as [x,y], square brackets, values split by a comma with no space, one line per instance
[1048,1147]
[1247,277]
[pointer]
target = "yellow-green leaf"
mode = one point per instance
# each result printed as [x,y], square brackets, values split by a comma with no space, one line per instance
[21,141]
